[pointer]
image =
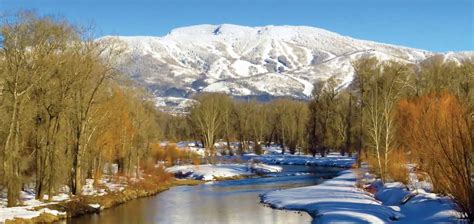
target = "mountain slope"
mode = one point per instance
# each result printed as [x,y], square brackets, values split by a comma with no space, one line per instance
[267,62]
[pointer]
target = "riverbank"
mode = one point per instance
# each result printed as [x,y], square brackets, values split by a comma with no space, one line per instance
[114,190]
[93,200]
[342,200]
[218,172]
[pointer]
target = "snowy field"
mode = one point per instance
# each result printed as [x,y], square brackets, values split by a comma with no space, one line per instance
[209,172]
[30,206]
[340,200]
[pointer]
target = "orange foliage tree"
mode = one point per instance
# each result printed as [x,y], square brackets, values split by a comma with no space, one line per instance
[437,129]
[114,141]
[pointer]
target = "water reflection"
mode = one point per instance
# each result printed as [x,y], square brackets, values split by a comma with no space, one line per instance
[235,201]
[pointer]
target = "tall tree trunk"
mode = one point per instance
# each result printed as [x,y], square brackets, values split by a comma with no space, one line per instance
[349,127]
[9,162]
[77,164]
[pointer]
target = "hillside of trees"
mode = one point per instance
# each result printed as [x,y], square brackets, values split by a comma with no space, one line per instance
[65,113]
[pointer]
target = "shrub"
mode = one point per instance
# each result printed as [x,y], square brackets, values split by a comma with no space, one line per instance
[157,152]
[438,130]
[396,169]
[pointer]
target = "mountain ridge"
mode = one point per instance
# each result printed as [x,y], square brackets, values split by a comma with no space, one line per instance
[269,61]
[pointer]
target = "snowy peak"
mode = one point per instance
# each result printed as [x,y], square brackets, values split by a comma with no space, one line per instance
[236,31]
[265,62]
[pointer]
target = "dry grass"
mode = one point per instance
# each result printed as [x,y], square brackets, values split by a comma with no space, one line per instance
[42,218]
[187,182]
[237,177]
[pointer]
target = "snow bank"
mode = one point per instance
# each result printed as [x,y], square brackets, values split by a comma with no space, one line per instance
[211,172]
[417,206]
[260,168]
[339,200]
[335,200]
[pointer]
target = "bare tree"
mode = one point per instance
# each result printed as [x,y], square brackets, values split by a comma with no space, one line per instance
[385,86]
[93,69]
[30,47]
[207,116]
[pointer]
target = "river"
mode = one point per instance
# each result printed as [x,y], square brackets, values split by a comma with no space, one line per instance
[232,201]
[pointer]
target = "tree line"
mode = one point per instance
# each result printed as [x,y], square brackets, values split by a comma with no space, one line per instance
[422,115]
[391,115]
[65,112]
[250,123]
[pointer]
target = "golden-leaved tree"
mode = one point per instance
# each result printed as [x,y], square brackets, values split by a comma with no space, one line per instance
[438,130]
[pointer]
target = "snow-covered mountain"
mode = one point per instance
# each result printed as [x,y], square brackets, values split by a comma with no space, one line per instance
[266,62]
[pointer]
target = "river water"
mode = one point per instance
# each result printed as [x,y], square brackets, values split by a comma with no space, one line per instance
[232,201]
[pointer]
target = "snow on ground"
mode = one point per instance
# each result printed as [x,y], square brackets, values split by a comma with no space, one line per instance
[30,203]
[335,200]
[26,212]
[30,206]
[272,155]
[27,198]
[332,160]
[416,206]
[106,184]
[308,86]
[260,168]
[209,172]
[340,200]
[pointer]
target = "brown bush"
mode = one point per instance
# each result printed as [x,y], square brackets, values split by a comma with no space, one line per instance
[159,174]
[437,129]
[173,155]
[196,159]
[396,169]
[157,152]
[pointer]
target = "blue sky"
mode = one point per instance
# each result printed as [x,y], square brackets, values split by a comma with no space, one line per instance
[427,24]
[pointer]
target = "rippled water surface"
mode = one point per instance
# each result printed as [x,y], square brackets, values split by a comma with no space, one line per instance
[233,201]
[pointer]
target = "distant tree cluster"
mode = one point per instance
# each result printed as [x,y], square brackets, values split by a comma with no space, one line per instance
[216,116]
